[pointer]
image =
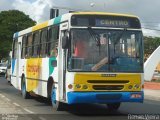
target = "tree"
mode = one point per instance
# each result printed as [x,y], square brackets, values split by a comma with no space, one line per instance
[10,22]
[150,44]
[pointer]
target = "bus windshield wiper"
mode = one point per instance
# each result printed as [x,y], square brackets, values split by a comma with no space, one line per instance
[95,36]
[120,35]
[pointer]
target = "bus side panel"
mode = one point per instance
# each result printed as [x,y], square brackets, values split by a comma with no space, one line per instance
[37,72]
[44,73]
[33,69]
[16,76]
[19,71]
[37,75]
[53,72]
[16,64]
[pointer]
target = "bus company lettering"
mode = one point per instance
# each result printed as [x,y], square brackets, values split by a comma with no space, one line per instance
[117,23]
[33,68]
[108,75]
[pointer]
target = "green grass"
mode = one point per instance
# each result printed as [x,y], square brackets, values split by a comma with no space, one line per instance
[158,81]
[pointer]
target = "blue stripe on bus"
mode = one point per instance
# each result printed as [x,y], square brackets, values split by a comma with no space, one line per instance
[103,97]
[57,20]
[16,35]
[13,65]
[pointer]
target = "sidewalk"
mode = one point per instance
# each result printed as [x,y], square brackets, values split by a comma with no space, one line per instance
[152,94]
[152,91]
[152,85]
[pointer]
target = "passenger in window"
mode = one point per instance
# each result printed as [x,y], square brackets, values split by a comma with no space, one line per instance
[54,52]
[54,49]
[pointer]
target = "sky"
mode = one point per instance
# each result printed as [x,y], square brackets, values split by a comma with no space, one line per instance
[147,10]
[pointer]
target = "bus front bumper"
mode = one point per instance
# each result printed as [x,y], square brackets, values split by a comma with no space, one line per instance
[104,97]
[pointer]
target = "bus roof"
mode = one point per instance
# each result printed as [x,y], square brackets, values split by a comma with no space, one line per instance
[54,21]
[105,13]
[62,18]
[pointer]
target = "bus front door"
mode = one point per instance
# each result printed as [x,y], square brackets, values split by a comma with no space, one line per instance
[62,66]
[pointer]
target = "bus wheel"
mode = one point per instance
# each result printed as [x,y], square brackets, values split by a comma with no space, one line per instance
[113,106]
[56,104]
[25,94]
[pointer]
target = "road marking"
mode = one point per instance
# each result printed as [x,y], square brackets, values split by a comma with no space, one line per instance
[28,110]
[16,104]
[5,97]
[8,99]
[42,118]
[2,95]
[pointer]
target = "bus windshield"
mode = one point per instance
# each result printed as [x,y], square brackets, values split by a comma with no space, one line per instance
[105,50]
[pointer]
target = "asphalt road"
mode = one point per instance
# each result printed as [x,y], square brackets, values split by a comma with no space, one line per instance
[12,105]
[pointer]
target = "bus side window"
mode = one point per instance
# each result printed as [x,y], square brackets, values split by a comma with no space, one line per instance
[43,43]
[29,46]
[53,41]
[35,44]
[15,45]
[24,41]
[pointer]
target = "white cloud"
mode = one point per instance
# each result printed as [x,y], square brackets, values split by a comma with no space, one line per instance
[36,10]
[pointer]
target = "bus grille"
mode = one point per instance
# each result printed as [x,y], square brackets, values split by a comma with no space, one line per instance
[108,81]
[108,87]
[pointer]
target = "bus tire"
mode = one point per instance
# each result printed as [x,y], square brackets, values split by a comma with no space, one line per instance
[113,106]
[57,105]
[25,94]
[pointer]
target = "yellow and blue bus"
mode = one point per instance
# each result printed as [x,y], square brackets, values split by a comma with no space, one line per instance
[45,59]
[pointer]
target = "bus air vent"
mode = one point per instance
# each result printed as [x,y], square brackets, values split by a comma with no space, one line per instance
[108,81]
[108,87]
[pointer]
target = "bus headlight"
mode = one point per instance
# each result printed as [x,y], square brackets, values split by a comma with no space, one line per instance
[85,87]
[130,87]
[78,86]
[136,86]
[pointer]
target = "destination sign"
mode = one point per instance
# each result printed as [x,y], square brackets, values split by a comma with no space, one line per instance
[105,21]
[112,23]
